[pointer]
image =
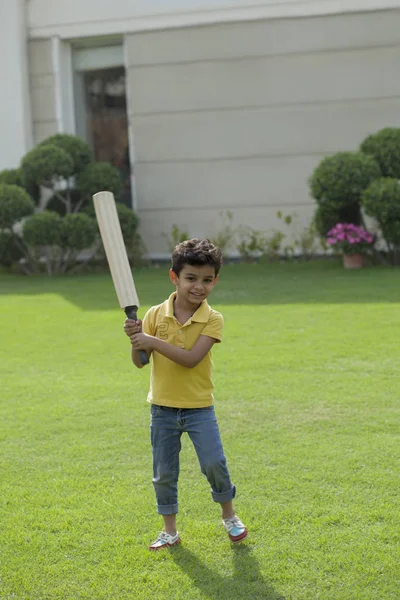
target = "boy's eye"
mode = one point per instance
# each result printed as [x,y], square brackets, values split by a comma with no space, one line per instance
[191,278]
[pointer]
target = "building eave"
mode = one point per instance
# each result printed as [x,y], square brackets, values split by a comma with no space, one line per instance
[44,23]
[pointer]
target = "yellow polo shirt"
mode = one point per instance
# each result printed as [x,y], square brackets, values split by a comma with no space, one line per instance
[170,383]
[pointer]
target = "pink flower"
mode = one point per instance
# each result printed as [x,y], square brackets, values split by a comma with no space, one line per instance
[348,233]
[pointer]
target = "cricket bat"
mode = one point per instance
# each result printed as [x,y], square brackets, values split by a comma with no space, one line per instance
[111,234]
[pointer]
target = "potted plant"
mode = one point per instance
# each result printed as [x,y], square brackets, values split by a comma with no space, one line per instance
[352,241]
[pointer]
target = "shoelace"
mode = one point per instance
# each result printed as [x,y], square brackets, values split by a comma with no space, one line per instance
[164,536]
[234,522]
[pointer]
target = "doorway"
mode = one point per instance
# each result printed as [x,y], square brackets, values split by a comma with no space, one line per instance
[101,111]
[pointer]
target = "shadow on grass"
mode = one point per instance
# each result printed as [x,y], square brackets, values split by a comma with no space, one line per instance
[246,582]
[313,282]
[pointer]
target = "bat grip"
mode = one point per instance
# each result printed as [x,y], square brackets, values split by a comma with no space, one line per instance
[131,313]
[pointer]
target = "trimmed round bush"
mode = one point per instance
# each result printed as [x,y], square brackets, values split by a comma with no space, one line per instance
[128,220]
[129,223]
[44,164]
[384,147]
[340,179]
[15,204]
[11,177]
[326,217]
[78,231]
[381,200]
[14,177]
[76,147]
[10,252]
[99,177]
[43,229]
[391,234]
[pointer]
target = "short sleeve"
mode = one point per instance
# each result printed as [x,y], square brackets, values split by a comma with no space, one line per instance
[214,327]
[149,322]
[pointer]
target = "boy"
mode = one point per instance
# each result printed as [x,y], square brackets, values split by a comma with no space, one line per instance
[179,335]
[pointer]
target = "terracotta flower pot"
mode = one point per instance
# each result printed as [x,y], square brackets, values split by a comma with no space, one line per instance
[353,261]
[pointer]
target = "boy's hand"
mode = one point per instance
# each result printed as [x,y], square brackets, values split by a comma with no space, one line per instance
[142,341]
[132,327]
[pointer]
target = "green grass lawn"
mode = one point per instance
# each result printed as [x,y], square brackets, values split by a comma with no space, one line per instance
[307,395]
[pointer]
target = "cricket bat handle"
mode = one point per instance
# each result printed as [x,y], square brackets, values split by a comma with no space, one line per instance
[131,313]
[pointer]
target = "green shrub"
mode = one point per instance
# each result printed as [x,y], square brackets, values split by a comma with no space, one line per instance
[78,231]
[129,223]
[137,251]
[251,242]
[43,229]
[10,252]
[11,177]
[391,234]
[99,177]
[57,241]
[44,165]
[14,177]
[337,184]
[79,150]
[128,220]
[225,237]
[176,236]
[339,180]
[384,147]
[381,200]
[15,204]
[326,217]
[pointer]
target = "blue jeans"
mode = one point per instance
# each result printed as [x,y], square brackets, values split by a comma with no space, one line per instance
[166,428]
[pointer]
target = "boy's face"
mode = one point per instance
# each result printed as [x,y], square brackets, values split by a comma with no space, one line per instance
[194,284]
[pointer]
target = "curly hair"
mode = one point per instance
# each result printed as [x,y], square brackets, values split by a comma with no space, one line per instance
[196,252]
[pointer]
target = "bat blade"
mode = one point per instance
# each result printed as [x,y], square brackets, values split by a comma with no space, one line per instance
[111,234]
[113,241]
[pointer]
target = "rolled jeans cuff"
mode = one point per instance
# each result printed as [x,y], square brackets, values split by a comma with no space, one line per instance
[167,509]
[224,496]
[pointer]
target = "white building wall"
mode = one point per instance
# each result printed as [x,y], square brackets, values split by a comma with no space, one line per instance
[15,118]
[44,89]
[234,117]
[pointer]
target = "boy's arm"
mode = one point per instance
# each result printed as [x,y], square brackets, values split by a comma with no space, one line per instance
[136,359]
[185,358]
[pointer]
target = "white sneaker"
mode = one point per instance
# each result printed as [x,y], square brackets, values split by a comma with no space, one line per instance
[236,530]
[165,540]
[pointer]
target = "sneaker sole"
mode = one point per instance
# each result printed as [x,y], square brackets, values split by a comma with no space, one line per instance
[157,548]
[239,538]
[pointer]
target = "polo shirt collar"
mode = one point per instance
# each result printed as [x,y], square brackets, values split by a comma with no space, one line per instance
[201,315]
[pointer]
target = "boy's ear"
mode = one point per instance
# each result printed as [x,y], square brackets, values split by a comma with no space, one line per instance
[173,276]
[216,279]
